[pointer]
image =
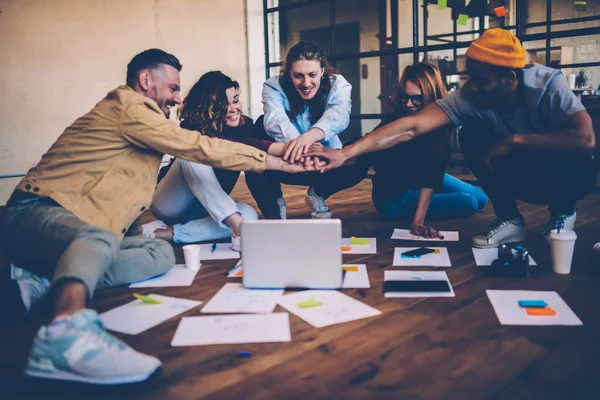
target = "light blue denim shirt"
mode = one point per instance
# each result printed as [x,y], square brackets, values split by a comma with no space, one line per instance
[334,120]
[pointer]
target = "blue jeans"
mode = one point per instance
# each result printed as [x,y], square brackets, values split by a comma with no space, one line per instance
[457,199]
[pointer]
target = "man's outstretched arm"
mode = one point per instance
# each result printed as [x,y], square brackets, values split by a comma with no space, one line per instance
[401,130]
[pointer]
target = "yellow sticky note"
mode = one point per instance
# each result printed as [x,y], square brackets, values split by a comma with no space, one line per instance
[442,4]
[355,240]
[436,251]
[462,19]
[146,299]
[309,303]
[580,5]
[350,268]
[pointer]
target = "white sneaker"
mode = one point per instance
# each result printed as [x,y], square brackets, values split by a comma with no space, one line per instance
[32,287]
[282,208]
[84,352]
[317,205]
[500,232]
[559,221]
[236,242]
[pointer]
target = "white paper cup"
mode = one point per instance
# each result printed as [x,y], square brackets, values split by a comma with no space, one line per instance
[561,247]
[571,80]
[191,253]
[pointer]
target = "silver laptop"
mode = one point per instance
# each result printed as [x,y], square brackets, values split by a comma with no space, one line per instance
[300,253]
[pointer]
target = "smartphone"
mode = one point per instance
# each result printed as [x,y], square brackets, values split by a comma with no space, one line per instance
[416,286]
[417,252]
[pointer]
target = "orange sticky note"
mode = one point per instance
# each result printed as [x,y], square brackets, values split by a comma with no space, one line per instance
[436,251]
[500,12]
[347,248]
[540,311]
[350,268]
[240,272]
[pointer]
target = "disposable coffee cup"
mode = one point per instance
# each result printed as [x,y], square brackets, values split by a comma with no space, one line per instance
[191,253]
[571,80]
[561,247]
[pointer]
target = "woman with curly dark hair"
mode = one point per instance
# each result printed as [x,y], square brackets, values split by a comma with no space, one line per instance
[193,199]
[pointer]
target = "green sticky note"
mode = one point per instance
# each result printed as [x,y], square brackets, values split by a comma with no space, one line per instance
[442,4]
[462,19]
[355,240]
[580,5]
[312,302]
[146,299]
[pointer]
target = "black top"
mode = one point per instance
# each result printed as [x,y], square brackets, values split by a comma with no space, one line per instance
[418,163]
[245,133]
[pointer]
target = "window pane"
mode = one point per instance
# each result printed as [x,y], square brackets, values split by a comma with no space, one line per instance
[359,25]
[306,23]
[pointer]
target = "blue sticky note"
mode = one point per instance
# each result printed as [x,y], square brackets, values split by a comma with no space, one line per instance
[532,303]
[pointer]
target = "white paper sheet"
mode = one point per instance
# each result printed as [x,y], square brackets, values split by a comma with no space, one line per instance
[484,257]
[227,329]
[150,227]
[428,260]
[418,276]
[508,311]
[336,308]
[356,279]
[137,317]
[404,234]
[222,252]
[179,275]
[235,298]
[236,272]
[370,248]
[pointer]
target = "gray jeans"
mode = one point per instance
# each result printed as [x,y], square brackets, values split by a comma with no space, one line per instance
[52,242]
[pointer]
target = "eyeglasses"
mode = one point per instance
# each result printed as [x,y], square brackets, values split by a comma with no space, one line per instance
[417,100]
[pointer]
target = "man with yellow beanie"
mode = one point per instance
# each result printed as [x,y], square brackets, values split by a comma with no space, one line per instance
[524,134]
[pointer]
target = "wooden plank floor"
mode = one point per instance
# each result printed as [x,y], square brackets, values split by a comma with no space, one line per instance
[445,348]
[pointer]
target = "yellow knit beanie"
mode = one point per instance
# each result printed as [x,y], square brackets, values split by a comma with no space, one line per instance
[498,47]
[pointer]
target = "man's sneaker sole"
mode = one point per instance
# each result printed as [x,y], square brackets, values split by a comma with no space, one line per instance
[68,376]
[512,239]
[321,215]
[315,214]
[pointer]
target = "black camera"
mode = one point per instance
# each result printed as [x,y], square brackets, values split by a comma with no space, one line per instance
[512,261]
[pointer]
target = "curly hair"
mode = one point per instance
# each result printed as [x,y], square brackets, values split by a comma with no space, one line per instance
[205,107]
[304,50]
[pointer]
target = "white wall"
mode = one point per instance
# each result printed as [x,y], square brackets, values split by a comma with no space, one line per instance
[60,57]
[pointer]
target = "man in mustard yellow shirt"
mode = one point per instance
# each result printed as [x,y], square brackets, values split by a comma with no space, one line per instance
[68,217]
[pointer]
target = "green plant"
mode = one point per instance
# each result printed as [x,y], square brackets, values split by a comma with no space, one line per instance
[581,80]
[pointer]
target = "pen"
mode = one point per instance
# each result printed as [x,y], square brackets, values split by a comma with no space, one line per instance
[214,247]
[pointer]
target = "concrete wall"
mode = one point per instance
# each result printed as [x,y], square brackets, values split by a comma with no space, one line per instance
[61,56]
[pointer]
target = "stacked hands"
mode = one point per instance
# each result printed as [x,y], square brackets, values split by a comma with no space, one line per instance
[296,152]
